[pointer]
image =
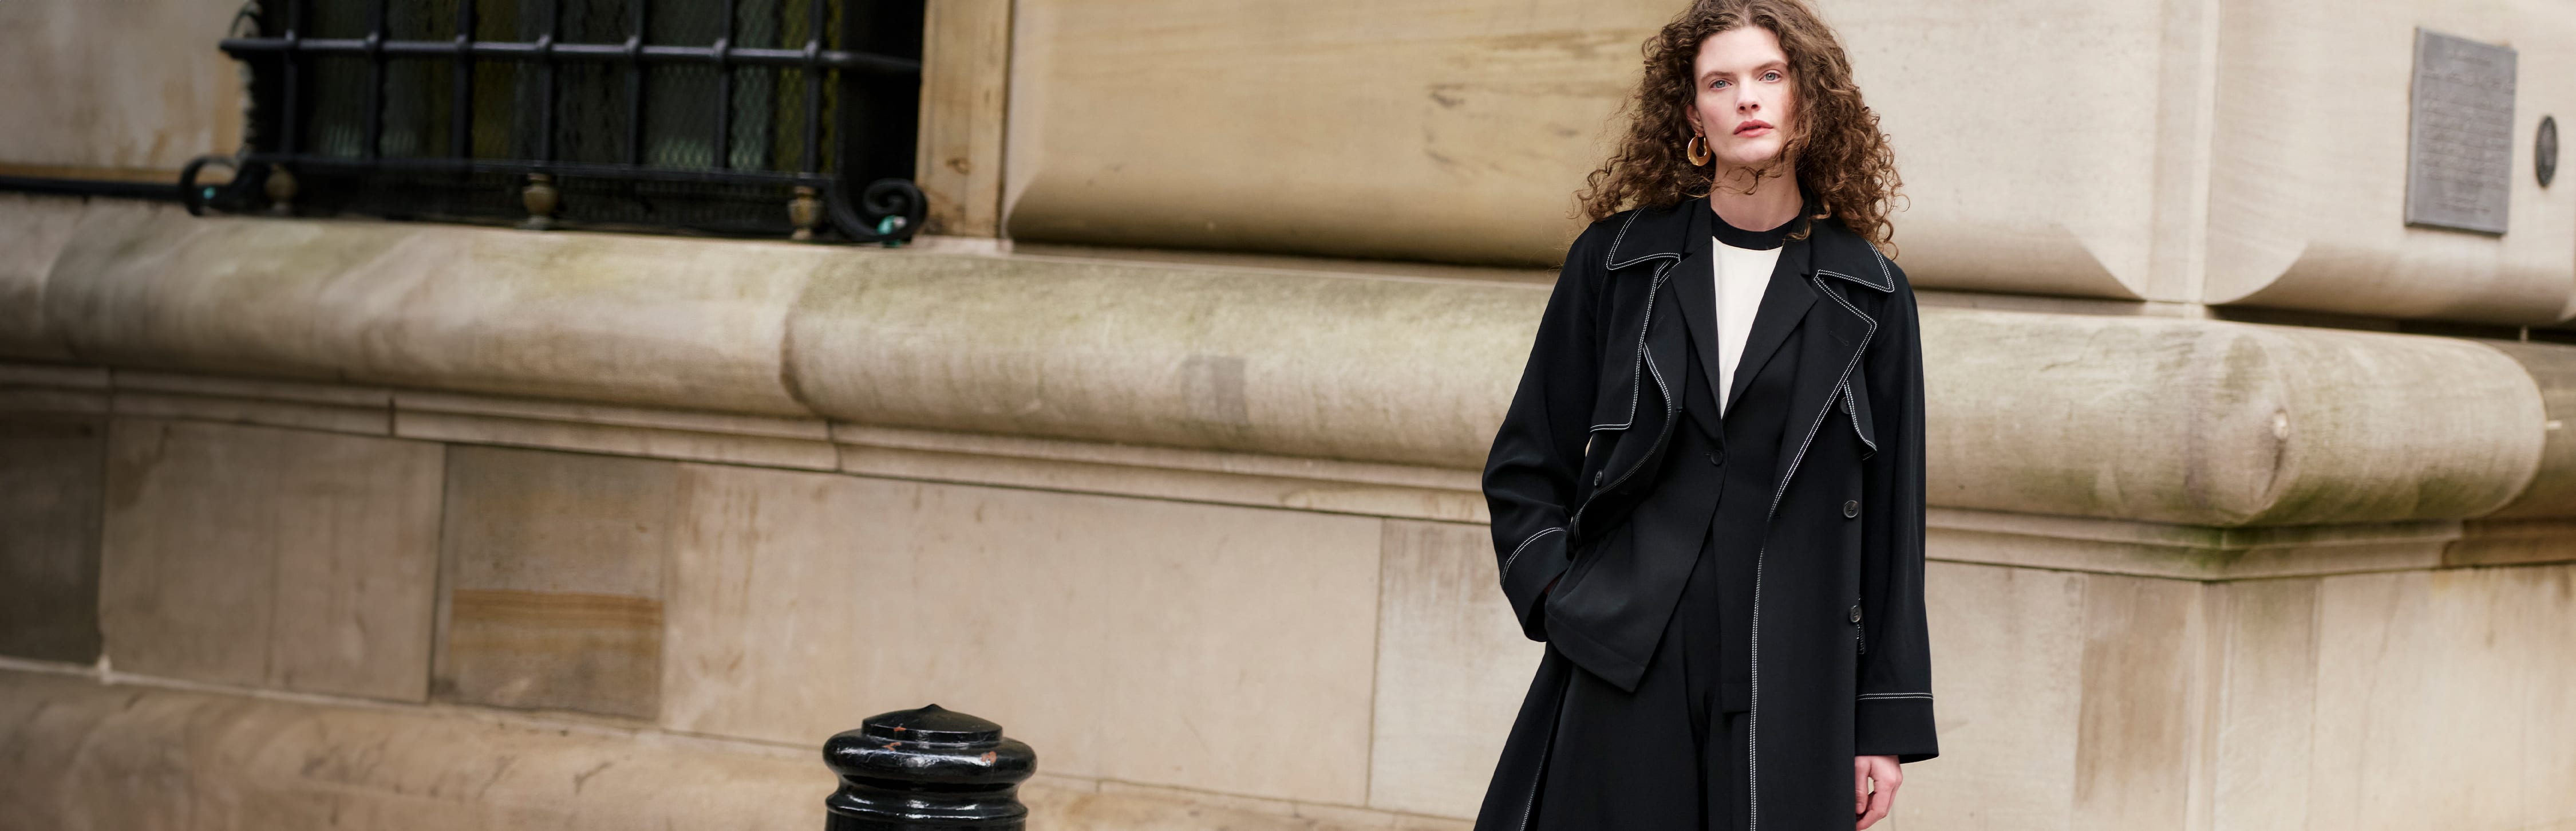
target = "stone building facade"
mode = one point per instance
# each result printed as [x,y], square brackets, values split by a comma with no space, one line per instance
[2253,506]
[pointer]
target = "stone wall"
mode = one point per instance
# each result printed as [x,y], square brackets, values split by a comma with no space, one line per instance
[347,524]
[407,478]
[2247,153]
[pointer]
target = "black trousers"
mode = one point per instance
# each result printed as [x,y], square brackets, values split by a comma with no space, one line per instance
[1673,754]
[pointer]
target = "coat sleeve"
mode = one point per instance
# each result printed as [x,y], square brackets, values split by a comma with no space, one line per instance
[1893,708]
[1531,474]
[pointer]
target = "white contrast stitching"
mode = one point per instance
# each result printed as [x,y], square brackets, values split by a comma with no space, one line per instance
[1611,261]
[1525,543]
[1891,281]
[1671,406]
[1753,713]
[1647,320]
[1641,356]
[1848,407]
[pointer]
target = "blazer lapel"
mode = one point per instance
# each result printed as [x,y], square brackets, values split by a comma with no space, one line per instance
[1784,303]
[1694,282]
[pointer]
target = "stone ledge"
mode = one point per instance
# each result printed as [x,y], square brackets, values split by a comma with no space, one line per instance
[1964,535]
[2171,421]
[146,754]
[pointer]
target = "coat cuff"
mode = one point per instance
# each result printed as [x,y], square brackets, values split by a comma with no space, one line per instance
[1895,724]
[1527,570]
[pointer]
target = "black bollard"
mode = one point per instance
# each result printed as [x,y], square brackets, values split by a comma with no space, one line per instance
[916,770]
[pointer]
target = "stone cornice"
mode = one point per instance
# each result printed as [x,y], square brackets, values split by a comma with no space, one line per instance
[492,333]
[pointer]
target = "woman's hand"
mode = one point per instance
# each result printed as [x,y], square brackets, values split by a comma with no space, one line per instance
[1872,804]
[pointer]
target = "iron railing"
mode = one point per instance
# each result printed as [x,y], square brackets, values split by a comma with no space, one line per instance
[726,116]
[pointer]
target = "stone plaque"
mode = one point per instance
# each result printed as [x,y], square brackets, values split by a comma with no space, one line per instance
[2459,159]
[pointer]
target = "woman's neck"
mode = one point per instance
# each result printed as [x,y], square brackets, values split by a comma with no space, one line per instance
[1755,202]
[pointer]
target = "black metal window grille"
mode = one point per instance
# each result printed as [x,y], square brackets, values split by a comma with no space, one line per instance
[722,116]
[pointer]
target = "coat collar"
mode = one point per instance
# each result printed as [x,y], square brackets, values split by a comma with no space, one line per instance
[1836,332]
[1665,233]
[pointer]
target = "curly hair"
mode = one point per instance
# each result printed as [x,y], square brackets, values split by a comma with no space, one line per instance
[1843,163]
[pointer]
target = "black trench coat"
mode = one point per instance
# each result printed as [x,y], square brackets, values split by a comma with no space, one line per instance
[1839,655]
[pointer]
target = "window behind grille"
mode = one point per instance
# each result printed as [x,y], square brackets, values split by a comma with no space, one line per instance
[721,116]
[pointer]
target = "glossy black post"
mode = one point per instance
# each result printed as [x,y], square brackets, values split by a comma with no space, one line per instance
[926,769]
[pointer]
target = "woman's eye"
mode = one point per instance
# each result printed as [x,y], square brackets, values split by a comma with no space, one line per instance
[1773,75]
[1717,84]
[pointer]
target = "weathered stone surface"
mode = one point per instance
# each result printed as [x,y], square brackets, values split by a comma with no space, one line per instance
[2308,159]
[264,557]
[338,408]
[51,475]
[2208,423]
[2144,145]
[1291,364]
[128,85]
[2263,723]
[2512,542]
[1452,669]
[77,756]
[2197,552]
[1125,639]
[2138,733]
[32,230]
[2441,700]
[2552,368]
[2191,422]
[768,441]
[1258,480]
[2008,650]
[965,83]
[1483,131]
[596,317]
[554,578]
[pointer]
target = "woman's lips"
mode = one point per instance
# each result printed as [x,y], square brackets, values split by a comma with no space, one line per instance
[1752,128]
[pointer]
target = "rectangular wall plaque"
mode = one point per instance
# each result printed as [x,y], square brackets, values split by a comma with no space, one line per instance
[2459,159]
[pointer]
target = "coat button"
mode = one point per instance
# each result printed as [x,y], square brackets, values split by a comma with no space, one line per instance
[1855,614]
[1851,508]
[1596,477]
[1713,458]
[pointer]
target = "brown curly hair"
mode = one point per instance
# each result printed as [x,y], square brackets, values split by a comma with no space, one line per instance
[1843,162]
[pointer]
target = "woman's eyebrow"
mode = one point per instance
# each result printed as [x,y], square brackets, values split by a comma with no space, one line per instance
[1717,73]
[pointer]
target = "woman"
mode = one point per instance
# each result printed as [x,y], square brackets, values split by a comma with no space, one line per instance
[1707,496]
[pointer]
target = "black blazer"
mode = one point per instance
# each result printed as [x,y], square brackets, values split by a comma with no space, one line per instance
[1840,653]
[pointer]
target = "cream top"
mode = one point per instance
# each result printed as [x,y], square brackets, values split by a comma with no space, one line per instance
[1741,274]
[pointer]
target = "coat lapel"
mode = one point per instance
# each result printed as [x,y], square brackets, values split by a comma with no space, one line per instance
[1784,302]
[1831,339]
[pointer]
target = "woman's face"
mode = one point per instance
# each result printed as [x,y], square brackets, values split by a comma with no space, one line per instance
[1746,102]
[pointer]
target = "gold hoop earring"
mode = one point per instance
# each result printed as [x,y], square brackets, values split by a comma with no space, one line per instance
[1696,151]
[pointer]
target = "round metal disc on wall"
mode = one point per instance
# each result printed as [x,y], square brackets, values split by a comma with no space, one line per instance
[2544,150]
